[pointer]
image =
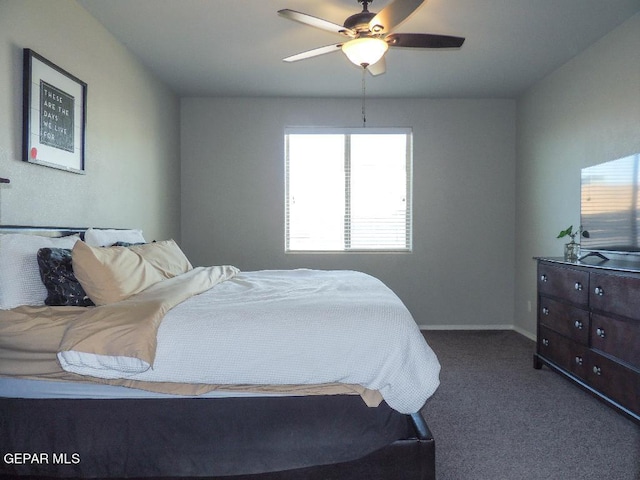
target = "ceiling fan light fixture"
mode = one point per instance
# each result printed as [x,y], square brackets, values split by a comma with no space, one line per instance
[365,51]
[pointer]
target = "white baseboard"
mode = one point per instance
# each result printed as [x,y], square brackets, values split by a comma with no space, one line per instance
[519,330]
[525,333]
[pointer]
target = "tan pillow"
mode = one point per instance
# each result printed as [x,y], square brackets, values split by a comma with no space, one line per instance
[165,256]
[112,274]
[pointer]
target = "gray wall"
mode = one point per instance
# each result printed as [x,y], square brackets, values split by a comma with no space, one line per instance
[472,262]
[461,272]
[585,113]
[132,153]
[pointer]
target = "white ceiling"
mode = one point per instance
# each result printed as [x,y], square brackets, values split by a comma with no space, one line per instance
[235,47]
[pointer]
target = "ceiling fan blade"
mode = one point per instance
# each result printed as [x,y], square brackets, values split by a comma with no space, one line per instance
[393,15]
[316,22]
[314,53]
[423,40]
[378,68]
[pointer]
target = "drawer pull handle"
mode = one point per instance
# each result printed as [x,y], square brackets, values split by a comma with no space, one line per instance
[545,342]
[600,332]
[543,278]
[578,360]
[578,324]
[578,286]
[597,370]
[599,291]
[545,311]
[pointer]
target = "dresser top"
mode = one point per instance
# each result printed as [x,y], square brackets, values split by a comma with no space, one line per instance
[619,265]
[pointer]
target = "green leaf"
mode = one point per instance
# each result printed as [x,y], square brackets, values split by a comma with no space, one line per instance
[566,232]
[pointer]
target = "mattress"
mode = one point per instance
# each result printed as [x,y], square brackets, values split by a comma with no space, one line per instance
[47,389]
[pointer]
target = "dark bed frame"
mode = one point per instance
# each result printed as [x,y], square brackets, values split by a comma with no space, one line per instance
[253,438]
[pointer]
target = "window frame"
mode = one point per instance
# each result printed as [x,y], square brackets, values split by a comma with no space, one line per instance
[348,131]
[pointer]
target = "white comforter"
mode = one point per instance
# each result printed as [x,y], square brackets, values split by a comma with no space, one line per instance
[297,327]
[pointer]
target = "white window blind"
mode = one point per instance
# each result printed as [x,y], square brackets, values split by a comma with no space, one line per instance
[348,190]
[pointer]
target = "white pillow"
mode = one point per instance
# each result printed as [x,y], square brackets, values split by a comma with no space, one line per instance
[96,237]
[20,282]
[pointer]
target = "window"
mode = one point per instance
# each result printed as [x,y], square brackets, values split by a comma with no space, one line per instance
[348,189]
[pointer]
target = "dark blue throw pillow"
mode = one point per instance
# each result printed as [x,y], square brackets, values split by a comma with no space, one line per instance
[56,272]
[126,244]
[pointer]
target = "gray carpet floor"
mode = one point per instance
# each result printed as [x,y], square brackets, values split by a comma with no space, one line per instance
[494,417]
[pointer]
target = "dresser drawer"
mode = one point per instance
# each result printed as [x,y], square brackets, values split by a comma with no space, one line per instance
[618,382]
[564,318]
[615,294]
[564,352]
[566,283]
[619,338]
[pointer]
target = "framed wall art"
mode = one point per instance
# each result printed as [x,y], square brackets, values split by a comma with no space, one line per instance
[54,115]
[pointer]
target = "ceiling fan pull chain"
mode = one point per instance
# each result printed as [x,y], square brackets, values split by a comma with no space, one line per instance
[364,114]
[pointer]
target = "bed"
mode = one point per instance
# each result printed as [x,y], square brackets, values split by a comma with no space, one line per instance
[202,371]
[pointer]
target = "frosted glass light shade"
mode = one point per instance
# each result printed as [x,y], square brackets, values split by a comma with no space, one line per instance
[365,51]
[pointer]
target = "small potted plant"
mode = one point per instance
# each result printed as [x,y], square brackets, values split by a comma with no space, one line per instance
[572,249]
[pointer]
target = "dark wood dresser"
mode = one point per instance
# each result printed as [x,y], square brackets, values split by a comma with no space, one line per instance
[589,327]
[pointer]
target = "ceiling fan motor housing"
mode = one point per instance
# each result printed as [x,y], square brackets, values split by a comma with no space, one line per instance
[359,22]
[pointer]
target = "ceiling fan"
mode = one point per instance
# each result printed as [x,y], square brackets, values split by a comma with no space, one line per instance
[370,34]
